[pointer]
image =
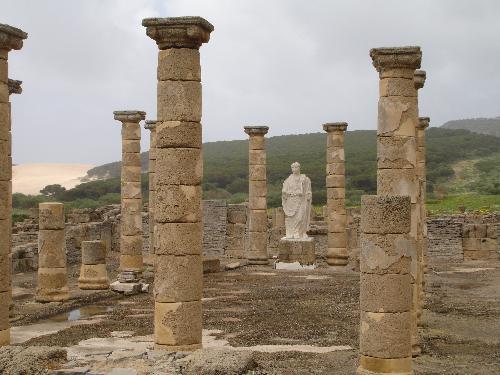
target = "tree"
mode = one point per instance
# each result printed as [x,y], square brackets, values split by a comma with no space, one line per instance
[54,191]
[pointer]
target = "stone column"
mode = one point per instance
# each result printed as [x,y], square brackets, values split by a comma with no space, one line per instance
[257,195]
[422,242]
[151,126]
[336,255]
[131,262]
[385,286]
[93,273]
[52,269]
[396,139]
[179,172]
[10,39]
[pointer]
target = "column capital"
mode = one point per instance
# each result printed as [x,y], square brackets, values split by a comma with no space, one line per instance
[11,37]
[335,127]
[150,124]
[15,86]
[419,78]
[178,32]
[423,123]
[129,116]
[396,57]
[256,130]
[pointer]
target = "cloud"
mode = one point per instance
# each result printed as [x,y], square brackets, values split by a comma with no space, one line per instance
[288,64]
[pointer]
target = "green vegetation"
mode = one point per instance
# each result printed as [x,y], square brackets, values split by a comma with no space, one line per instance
[467,202]
[489,126]
[459,162]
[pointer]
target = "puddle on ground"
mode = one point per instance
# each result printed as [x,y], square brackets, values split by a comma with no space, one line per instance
[82,313]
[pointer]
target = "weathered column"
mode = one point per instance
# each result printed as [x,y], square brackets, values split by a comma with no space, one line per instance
[131,262]
[335,192]
[15,86]
[52,268]
[93,273]
[257,195]
[396,139]
[385,286]
[151,126]
[179,172]
[10,39]
[421,174]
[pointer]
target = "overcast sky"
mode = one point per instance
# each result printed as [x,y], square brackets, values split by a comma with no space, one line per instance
[288,64]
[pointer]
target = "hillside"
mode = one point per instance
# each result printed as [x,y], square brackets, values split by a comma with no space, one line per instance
[488,126]
[226,163]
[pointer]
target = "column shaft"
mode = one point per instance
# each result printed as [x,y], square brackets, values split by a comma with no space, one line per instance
[335,187]
[93,273]
[151,125]
[178,178]
[385,285]
[257,195]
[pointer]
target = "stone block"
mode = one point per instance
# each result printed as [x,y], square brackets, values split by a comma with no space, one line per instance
[337,239]
[52,285]
[335,181]
[235,230]
[131,190]
[397,182]
[257,157]
[127,288]
[385,335]
[4,93]
[301,251]
[5,272]
[211,265]
[51,249]
[372,365]
[130,224]
[256,142]
[4,71]
[178,324]
[477,254]
[179,64]
[179,166]
[335,193]
[94,252]
[178,278]
[385,293]
[396,152]
[257,203]
[335,140]
[131,174]
[178,239]
[335,155]
[179,101]
[337,256]
[5,200]
[4,311]
[178,134]
[131,146]
[258,221]
[337,169]
[5,161]
[257,242]
[387,254]
[257,172]
[5,236]
[51,216]
[471,244]
[237,215]
[397,115]
[131,159]
[385,214]
[489,244]
[336,222]
[336,206]
[131,262]
[257,189]
[178,204]
[492,230]
[5,119]
[131,131]
[93,277]
[397,87]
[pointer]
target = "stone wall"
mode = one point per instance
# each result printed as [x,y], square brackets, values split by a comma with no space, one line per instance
[214,227]
[236,231]
[444,235]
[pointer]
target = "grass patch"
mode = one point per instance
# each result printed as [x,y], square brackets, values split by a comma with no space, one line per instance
[470,202]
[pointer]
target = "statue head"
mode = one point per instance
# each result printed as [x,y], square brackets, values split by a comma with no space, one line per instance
[295,168]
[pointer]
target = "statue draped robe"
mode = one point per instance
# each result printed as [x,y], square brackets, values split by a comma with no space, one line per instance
[296,201]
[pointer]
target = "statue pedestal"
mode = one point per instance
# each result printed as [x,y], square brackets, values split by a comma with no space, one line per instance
[296,254]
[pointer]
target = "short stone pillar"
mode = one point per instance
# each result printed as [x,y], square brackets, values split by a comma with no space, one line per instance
[396,139]
[151,126]
[178,174]
[93,273]
[52,268]
[131,262]
[257,195]
[11,38]
[296,254]
[336,254]
[385,286]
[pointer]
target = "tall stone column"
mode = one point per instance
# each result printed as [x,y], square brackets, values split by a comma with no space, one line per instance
[385,286]
[52,267]
[11,38]
[131,262]
[151,126]
[396,140]
[179,173]
[336,255]
[257,195]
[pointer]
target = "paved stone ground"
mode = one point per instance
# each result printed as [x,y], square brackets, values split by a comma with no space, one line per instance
[255,309]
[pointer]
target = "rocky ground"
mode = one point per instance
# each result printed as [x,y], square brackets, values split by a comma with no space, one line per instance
[256,321]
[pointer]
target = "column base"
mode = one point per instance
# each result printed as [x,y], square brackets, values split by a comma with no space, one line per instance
[379,366]
[93,277]
[5,337]
[337,257]
[297,250]
[52,295]
[132,263]
[178,348]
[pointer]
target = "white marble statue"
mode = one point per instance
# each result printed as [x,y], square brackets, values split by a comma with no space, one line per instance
[296,200]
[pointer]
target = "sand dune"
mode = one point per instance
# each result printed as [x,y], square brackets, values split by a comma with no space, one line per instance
[30,178]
